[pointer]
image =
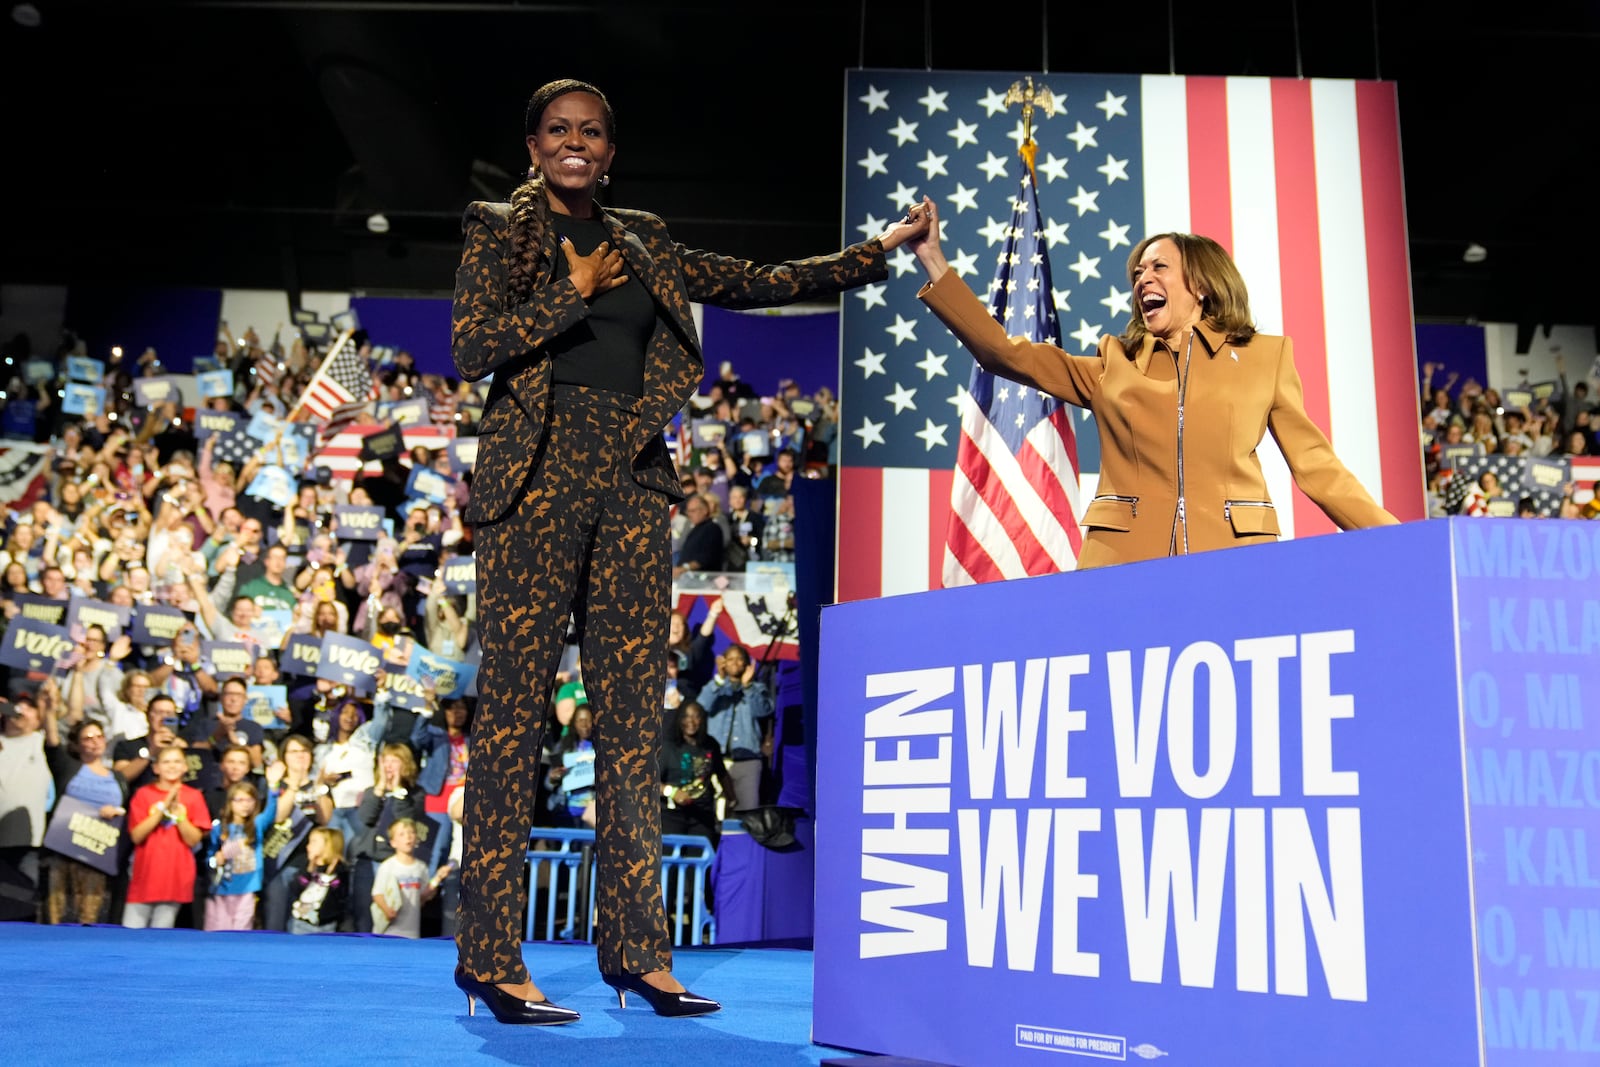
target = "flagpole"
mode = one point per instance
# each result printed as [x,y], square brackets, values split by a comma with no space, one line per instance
[300,404]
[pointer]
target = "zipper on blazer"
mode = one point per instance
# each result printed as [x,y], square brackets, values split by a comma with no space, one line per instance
[1131,501]
[1229,505]
[1180,515]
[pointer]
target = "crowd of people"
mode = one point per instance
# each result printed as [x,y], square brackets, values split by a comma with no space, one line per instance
[1491,452]
[338,808]
[243,792]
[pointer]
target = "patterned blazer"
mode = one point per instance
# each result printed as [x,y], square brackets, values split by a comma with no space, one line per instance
[488,335]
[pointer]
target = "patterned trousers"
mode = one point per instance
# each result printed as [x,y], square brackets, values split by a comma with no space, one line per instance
[589,541]
[75,887]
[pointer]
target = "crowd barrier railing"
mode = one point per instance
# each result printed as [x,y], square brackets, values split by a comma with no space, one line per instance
[561,886]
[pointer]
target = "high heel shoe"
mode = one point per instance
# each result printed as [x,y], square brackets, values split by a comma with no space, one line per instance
[510,1009]
[672,1004]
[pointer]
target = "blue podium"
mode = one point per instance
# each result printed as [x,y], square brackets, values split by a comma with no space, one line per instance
[1320,802]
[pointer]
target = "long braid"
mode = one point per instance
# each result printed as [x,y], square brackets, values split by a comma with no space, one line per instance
[524,252]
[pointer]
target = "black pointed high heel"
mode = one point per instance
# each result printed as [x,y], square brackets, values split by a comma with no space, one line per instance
[510,1009]
[671,1004]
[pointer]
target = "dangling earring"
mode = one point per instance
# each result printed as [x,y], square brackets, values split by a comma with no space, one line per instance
[605,179]
[532,172]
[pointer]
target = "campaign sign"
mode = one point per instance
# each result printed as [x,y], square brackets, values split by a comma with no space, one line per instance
[43,609]
[83,369]
[38,371]
[381,444]
[429,485]
[301,655]
[78,832]
[349,661]
[1201,810]
[208,422]
[1530,672]
[413,412]
[153,392]
[1541,473]
[271,624]
[463,455]
[707,433]
[264,427]
[1453,456]
[297,444]
[112,618]
[461,575]
[274,485]
[403,691]
[1517,399]
[450,677]
[227,659]
[264,703]
[155,624]
[86,400]
[215,383]
[356,522]
[1545,390]
[33,645]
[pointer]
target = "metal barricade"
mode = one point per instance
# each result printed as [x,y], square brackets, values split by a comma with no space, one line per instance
[561,880]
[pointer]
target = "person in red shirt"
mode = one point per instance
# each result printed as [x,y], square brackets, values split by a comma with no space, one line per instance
[166,820]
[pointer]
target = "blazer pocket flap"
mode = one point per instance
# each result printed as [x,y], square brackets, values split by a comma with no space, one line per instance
[1110,514]
[1250,517]
[498,418]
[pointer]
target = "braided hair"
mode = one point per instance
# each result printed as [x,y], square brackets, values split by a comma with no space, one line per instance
[528,199]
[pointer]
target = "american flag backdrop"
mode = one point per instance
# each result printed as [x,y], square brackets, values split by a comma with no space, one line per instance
[1299,179]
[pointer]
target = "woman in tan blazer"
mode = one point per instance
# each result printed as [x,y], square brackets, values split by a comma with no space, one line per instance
[1182,399]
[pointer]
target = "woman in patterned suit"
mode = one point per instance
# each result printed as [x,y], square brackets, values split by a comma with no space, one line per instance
[582,314]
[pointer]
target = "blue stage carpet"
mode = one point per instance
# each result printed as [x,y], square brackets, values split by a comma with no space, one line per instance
[106,995]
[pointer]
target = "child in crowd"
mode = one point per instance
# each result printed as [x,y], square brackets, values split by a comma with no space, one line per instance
[323,888]
[236,858]
[402,885]
[167,820]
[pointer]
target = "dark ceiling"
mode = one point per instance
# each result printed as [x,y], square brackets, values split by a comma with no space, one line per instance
[244,144]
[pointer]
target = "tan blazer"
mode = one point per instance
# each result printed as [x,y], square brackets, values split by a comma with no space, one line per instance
[489,335]
[1234,394]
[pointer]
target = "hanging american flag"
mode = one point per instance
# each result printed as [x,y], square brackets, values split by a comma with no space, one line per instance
[1014,499]
[1299,179]
[342,452]
[340,389]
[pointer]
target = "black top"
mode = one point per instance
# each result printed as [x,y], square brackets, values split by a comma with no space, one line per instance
[605,350]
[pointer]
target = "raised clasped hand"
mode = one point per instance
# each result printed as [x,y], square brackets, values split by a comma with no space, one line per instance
[598,272]
[919,223]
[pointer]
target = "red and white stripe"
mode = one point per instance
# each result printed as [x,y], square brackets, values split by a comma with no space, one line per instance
[324,397]
[1013,516]
[1301,181]
[342,454]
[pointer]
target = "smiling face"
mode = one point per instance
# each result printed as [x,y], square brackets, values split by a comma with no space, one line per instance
[571,146]
[171,766]
[1161,291]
